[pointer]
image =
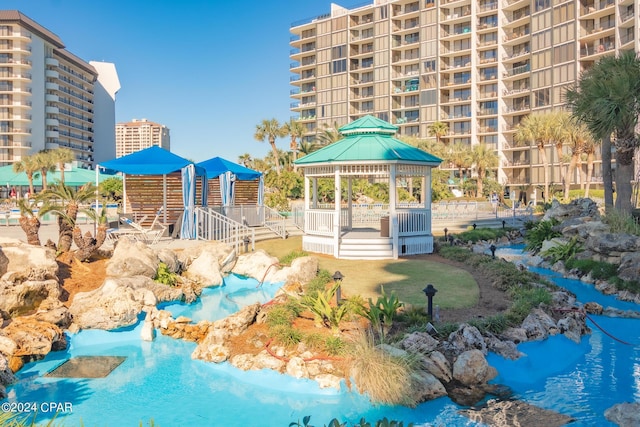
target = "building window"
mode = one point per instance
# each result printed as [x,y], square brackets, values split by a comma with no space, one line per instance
[541,97]
[384,11]
[339,66]
[430,65]
[338,52]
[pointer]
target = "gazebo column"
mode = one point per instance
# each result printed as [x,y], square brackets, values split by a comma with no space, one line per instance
[350,204]
[426,196]
[336,219]
[393,214]
[314,202]
[306,201]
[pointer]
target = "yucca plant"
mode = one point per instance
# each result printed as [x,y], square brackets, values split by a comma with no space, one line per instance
[323,312]
[564,251]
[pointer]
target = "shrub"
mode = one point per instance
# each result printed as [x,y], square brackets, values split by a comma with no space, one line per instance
[599,270]
[280,315]
[385,378]
[334,345]
[166,276]
[525,300]
[286,335]
[454,253]
[494,324]
[538,233]
[564,251]
[620,222]
[318,283]
[481,234]
[323,312]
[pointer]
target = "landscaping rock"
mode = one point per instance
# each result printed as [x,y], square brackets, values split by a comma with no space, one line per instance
[21,262]
[24,297]
[629,268]
[624,414]
[6,376]
[259,265]
[302,270]
[471,368]
[132,258]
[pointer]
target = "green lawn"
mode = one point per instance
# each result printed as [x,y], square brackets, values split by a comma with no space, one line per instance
[406,277]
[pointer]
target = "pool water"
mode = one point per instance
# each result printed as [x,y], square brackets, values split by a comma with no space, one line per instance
[160,381]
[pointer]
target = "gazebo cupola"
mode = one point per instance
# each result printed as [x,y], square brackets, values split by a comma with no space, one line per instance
[345,229]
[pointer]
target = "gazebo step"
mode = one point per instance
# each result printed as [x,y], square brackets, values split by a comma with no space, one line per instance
[366,249]
[366,254]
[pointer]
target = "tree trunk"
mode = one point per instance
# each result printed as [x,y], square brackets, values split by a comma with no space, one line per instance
[274,149]
[589,174]
[87,244]
[624,176]
[480,184]
[545,166]
[570,170]
[562,174]
[31,227]
[607,176]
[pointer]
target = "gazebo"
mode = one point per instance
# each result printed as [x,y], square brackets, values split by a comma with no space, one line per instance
[373,231]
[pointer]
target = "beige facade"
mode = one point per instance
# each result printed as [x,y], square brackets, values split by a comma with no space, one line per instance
[479,66]
[139,134]
[47,95]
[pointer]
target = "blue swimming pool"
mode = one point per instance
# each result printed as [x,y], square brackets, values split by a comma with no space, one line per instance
[160,381]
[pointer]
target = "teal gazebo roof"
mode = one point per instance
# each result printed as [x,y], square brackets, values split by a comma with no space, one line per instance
[368,139]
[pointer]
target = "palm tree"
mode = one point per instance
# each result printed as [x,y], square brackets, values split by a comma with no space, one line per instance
[65,202]
[61,156]
[438,129]
[578,137]
[270,130]
[534,129]
[460,156]
[245,159]
[308,147]
[29,166]
[29,220]
[484,159]
[558,123]
[329,135]
[46,163]
[589,148]
[295,130]
[607,99]
[88,244]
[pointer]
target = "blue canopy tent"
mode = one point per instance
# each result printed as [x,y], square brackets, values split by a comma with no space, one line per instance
[160,162]
[228,173]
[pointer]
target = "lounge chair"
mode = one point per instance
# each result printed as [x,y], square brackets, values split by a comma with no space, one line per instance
[136,230]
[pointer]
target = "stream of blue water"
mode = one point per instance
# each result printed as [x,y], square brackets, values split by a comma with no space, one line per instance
[159,380]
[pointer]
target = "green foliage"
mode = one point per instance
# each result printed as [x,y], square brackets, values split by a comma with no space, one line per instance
[455,253]
[382,313]
[323,311]
[482,234]
[565,251]
[277,201]
[334,345]
[631,286]
[318,283]
[111,189]
[286,335]
[525,300]
[288,258]
[539,232]
[413,317]
[289,183]
[166,276]
[280,315]
[620,222]
[600,270]
[494,324]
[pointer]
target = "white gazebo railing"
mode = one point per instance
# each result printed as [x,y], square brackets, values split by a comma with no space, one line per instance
[211,225]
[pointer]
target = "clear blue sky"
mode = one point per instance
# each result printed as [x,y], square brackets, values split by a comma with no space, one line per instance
[209,70]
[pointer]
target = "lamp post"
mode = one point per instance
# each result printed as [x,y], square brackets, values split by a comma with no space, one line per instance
[446,230]
[337,277]
[503,223]
[492,248]
[474,225]
[246,241]
[430,291]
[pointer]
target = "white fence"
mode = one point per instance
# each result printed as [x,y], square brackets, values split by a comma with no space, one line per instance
[211,225]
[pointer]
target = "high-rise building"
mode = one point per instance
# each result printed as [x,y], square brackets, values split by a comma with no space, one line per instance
[139,134]
[478,66]
[50,98]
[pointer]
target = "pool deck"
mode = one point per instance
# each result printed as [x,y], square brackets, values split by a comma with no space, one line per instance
[50,231]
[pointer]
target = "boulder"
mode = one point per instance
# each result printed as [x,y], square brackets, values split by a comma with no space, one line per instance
[329,381]
[539,325]
[297,368]
[132,258]
[471,368]
[575,209]
[506,349]
[608,243]
[26,296]
[113,305]
[33,340]
[6,376]
[170,259]
[259,265]
[419,342]
[212,348]
[465,338]
[629,268]
[427,387]
[21,262]
[224,254]
[516,335]
[438,366]
[301,271]
[205,270]
[624,414]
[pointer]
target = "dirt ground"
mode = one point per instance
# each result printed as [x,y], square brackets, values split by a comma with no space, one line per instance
[82,277]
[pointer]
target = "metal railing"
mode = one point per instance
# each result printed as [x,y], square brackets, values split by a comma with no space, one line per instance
[275,222]
[211,225]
